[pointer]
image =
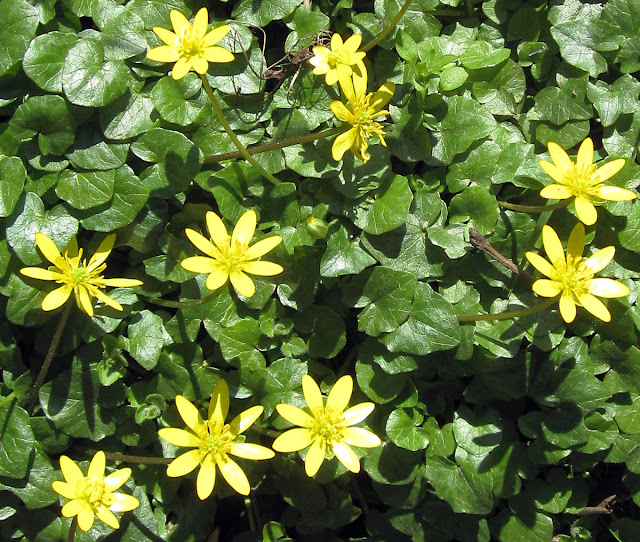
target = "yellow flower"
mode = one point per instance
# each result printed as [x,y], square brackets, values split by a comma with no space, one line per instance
[83,279]
[190,47]
[582,180]
[229,258]
[93,495]
[327,429]
[360,111]
[571,278]
[213,441]
[338,59]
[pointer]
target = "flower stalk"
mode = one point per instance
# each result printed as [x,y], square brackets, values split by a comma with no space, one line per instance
[383,33]
[507,315]
[533,208]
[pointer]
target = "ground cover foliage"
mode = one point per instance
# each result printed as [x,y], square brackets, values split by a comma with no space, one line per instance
[491,430]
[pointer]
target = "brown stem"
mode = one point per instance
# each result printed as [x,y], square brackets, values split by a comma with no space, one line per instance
[603,508]
[480,242]
[72,529]
[126,458]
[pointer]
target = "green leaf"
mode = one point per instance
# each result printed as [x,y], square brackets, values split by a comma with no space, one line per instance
[326,329]
[502,89]
[450,239]
[123,35]
[263,13]
[384,209]
[85,190]
[343,256]
[44,60]
[17,441]
[479,205]
[452,78]
[30,217]
[89,79]
[403,428]
[91,151]
[147,336]
[522,522]
[130,115]
[239,341]
[624,17]
[431,326]
[378,386]
[389,464]
[477,433]
[172,99]
[613,100]
[12,177]
[482,55]
[35,488]
[19,23]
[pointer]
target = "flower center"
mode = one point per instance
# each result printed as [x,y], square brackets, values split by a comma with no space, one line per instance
[218,438]
[92,490]
[576,275]
[190,43]
[328,425]
[80,274]
[580,176]
[338,57]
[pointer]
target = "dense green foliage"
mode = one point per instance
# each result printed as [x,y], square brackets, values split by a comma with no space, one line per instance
[491,430]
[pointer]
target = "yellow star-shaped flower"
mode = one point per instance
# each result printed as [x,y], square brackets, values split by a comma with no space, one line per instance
[572,278]
[327,429]
[93,495]
[190,47]
[214,441]
[583,180]
[230,258]
[360,111]
[76,275]
[338,58]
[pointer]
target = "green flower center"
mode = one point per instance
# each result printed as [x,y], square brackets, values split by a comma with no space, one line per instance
[328,425]
[338,57]
[80,274]
[217,439]
[580,176]
[576,275]
[190,43]
[92,490]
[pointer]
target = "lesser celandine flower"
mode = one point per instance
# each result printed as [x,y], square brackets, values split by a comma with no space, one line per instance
[327,429]
[230,258]
[572,278]
[93,495]
[76,275]
[360,111]
[214,441]
[583,180]
[190,47]
[338,58]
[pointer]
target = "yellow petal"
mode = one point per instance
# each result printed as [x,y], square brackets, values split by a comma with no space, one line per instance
[71,472]
[202,243]
[242,283]
[217,278]
[234,476]
[552,245]
[263,269]
[575,246]
[106,516]
[201,22]
[567,307]
[179,22]
[342,112]
[103,251]
[41,274]
[122,283]
[312,394]
[85,519]
[557,191]
[74,507]
[609,169]
[185,463]
[206,478]
[382,96]
[585,153]
[613,193]
[352,43]
[315,457]
[600,259]
[295,415]
[343,143]
[49,250]
[217,230]
[553,171]
[607,288]
[595,307]
[106,299]
[84,299]
[293,440]
[245,419]
[163,53]
[336,42]
[179,437]
[359,83]
[219,404]
[357,436]
[262,247]
[57,297]
[168,37]
[585,210]
[251,451]
[64,489]
[547,288]
[200,65]
[181,68]
[244,229]
[357,413]
[216,35]
[331,78]
[200,264]
[346,456]
[218,54]
[542,265]
[340,394]
[123,503]
[346,83]
[559,156]
[189,413]
[97,465]
[117,479]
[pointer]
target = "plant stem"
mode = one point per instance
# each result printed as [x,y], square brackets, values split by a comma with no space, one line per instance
[507,315]
[31,398]
[273,146]
[72,529]
[480,242]
[387,29]
[231,133]
[8,399]
[469,4]
[534,208]
[126,458]
[181,304]
[252,520]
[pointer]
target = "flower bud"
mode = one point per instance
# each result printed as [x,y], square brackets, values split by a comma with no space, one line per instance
[317,228]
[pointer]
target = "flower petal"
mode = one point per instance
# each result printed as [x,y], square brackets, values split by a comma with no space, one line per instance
[312,394]
[245,419]
[179,22]
[244,229]
[553,171]
[547,288]
[122,283]
[217,278]
[179,437]
[357,413]
[600,259]
[116,479]
[234,476]
[262,247]
[382,96]
[57,297]
[295,415]
[42,274]
[336,42]
[97,465]
[585,210]
[251,451]
[613,193]
[575,246]
[201,22]
[340,394]
[84,299]
[315,457]
[202,243]
[163,53]
[343,143]
[168,37]
[189,413]
[541,265]
[346,456]
[181,68]
[567,307]
[108,517]
[242,283]
[103,251]
[342,112]
[71,472]
[217,230]
[85,519]
[357,436]
[200,65]
[49,249]
[608,288]
[67,491]
[559,156]
[557,191]
[219,404]
[106,299]
[216,35]
[585,153]
[352,43]
[200,264]
[206,477]
[609,169]
[262,269]
[218,54]
[185,463]
[293,440]
[123,503]
[595,307]
[552,246]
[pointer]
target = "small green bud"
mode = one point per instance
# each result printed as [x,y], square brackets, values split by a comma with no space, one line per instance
[317,228]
